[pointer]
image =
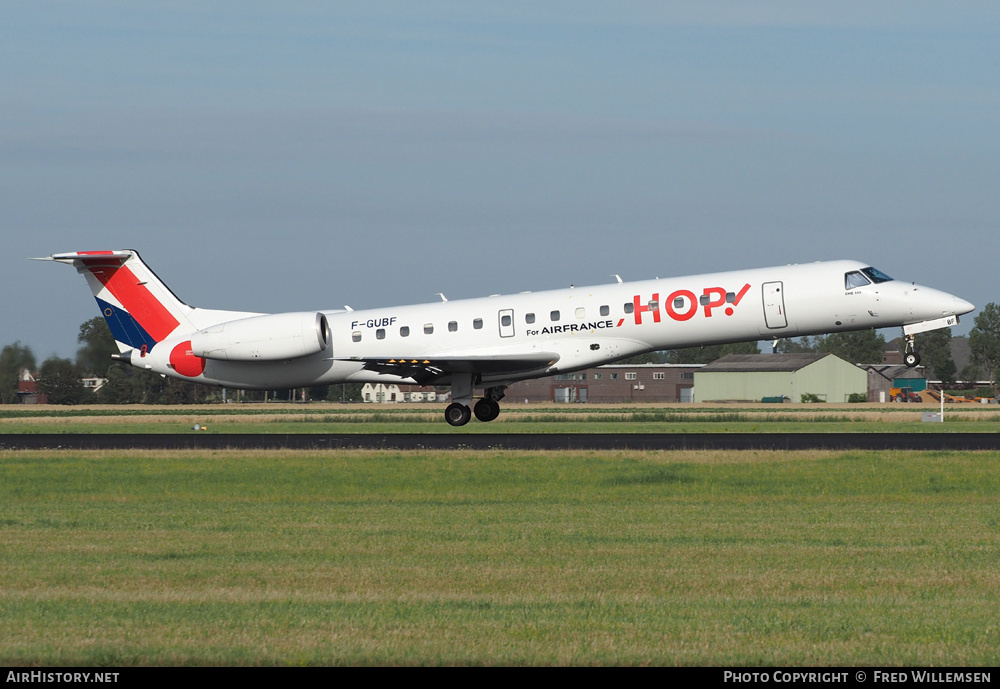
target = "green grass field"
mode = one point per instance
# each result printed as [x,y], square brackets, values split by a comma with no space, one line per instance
[367,557]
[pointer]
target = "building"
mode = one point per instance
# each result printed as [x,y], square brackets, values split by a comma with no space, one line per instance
[94,385]
[611,384]
[754,377]
[381,393]
[420,393]
[736,377]
[27,389]
[881,378]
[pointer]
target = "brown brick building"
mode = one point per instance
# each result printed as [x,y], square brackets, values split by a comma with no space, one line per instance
[612,384]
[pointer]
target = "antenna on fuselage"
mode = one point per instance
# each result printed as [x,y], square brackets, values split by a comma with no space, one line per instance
[441,294]
[617,277]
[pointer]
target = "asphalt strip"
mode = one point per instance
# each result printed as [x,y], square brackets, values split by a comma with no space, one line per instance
[504,441]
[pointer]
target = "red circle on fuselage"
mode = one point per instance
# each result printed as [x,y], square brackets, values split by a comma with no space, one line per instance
[186,363]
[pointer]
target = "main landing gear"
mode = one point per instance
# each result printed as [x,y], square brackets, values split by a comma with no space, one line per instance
[485,409]
[910,356]
[457,414]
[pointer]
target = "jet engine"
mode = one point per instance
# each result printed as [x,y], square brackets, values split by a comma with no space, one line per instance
[273,337]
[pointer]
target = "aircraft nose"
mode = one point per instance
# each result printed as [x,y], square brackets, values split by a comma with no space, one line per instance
[939,303]
[962,306]
[954,306]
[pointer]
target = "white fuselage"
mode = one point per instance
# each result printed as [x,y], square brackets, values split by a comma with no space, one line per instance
[588,326]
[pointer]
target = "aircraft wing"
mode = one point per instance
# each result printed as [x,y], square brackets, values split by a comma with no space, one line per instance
[428,370]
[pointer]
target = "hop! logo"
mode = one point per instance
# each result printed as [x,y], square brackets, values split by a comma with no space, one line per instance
[683,304]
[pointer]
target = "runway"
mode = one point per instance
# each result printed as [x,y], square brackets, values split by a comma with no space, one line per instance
[504,441]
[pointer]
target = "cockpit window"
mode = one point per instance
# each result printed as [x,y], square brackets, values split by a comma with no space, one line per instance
[855,279]
[876,275]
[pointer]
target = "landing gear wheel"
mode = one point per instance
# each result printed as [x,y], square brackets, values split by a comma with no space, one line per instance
[457,414]
[487,409]
[910,356]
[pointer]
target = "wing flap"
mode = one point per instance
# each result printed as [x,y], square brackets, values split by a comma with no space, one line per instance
[428,370]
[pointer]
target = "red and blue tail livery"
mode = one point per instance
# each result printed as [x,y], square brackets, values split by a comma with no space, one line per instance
[139,309]
[485,344]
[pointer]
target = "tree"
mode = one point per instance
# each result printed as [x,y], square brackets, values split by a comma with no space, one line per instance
[319,392]
[60,381]
[98,346]
[934,348]
[646,358]
[792,346]
[946,370]
[709,353]
[176,391]
[984,341]
[13,358]
[121,387]
[858,347]
[345,392]
[970,372]
[130,385]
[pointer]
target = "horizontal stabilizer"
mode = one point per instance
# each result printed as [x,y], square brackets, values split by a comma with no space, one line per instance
[87,257]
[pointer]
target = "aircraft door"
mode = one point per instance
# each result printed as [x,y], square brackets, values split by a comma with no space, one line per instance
[506,321]
[774,305]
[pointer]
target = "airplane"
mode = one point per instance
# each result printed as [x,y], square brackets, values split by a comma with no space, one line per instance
[488,343]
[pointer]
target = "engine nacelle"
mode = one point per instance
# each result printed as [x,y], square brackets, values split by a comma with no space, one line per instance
[264,338]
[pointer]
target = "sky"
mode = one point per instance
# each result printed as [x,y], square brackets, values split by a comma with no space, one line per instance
[266,156]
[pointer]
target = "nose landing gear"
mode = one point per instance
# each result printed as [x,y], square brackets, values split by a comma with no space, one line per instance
[910,356]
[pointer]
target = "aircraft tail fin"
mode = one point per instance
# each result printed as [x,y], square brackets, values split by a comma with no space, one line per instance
[140,310]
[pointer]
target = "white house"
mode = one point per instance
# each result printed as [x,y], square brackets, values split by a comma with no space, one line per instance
[381,393]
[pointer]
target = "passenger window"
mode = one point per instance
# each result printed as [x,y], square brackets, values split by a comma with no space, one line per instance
[404,331]
[380,334]
[478,324]
[429,329]
[554,316]
[356,336]
[654,306]
[529,318]
[453,326]
[505,321]
[581,313]
[678,303]
[730,297]
[855,279]
[629,307]
[704,299]
[605,310]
